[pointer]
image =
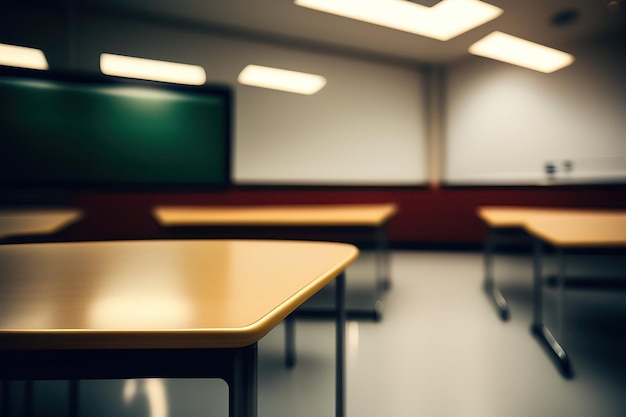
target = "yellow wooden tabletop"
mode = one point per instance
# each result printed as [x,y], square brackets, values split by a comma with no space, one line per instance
[157,294]
[22,222]
[580,229]
[288,215]
[517,216]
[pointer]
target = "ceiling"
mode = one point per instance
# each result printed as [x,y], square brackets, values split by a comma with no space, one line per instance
[283,22]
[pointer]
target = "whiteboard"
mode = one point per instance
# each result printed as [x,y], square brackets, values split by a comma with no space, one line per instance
[505,124]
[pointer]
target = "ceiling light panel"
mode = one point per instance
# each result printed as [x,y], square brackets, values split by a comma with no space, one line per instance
[518,51]
[281,79]
[23,57]
[443,21]
[149,69]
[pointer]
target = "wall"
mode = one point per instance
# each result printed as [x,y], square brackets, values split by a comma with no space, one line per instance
[366,127]
[504,123]
[425,216]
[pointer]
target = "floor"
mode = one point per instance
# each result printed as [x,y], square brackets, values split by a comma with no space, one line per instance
[440,350]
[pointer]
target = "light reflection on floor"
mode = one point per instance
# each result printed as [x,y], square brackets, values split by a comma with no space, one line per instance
[153,390]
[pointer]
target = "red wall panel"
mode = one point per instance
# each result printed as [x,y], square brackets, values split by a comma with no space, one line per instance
[446,215]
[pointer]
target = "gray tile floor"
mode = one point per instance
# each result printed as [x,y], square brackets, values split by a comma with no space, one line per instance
[440,350]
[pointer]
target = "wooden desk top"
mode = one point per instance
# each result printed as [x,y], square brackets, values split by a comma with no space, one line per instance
[23,222]
[580,229]
[562,227]
[310,215]
[157,294]
[515,216]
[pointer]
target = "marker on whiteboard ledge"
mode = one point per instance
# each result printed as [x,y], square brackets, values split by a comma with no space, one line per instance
[568,165]
[550,169]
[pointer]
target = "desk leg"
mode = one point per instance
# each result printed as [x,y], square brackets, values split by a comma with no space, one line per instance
[490,287]
[340,383]
[561,294]
[383,280]
[6,395]
[242,393]
[383,272]
[538,328]
[5,411]
[290,341]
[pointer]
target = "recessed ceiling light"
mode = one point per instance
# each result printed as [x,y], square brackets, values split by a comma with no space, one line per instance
[150,69]
[23,57]
[281,79]
[443,21]
[517,51]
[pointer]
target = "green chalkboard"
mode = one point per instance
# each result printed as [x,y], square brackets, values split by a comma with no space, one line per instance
[80,132]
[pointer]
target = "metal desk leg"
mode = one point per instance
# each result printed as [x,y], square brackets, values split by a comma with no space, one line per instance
[6,395]
[561,294]
[538,328]
[489,285]
[383,265]
[340,383]
[290,341]
[242,393]
[5,411]
[383,282]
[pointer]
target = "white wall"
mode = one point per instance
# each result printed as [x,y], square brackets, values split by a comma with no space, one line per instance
[366,127]
[504,123]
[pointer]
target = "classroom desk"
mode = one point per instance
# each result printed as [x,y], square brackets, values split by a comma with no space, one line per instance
[565,232]
[171,309]
[269,221]
[34,223]
[500,220]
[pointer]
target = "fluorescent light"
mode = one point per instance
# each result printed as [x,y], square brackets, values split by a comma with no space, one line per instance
[281,79]
[150,69]
[23,57]
[443,21]
[517,51]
